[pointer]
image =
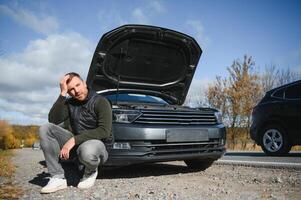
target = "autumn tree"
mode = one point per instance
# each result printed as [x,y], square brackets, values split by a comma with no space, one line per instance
[30,139]
[235,97]
[28,134]
[273,77]
[7,138]
[217,97]
[4,128]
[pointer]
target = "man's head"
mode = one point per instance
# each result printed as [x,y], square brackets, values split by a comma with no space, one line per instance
[77,87]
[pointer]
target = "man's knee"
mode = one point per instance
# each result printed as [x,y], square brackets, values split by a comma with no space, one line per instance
[92,152]
[43,130]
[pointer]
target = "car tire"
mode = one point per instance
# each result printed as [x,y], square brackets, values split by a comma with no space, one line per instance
[274,141]
[198,165]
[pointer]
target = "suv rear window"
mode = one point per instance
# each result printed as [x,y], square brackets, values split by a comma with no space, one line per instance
[279,93]
[293,92]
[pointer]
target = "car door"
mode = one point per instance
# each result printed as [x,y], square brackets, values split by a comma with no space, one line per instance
[292,108]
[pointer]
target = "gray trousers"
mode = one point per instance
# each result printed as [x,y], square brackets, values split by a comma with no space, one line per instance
[91,153]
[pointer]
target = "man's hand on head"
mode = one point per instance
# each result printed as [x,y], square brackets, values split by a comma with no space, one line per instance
[64,154]
[63,85]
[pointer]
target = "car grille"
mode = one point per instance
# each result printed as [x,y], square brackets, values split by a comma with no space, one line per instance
[159,149]
[176,117]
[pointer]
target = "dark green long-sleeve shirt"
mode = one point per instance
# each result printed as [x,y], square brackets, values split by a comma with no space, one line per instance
[60,111]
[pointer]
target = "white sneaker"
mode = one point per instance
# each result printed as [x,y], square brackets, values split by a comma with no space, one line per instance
[54,185]
[87,181]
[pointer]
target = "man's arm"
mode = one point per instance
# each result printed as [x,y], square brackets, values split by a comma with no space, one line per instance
[59,111]
[104,117]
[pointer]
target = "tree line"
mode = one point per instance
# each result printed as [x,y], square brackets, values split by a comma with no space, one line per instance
[236,94]
[17,136]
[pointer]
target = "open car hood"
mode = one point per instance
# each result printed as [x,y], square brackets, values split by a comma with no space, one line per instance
[145,57]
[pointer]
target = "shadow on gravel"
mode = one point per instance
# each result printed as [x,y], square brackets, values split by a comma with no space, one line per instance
[259,154]
[145,170]
[43,163]
[72,174]
[41,179]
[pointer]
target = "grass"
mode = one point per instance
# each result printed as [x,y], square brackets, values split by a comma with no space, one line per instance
[6,167]
[7,189]
[296,148]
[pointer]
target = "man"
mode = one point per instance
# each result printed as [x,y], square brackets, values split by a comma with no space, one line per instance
[78,124]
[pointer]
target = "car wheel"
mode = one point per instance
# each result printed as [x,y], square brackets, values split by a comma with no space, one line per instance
[274,141]
[198,165]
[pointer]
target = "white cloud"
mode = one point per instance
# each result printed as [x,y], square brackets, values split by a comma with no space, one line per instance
[44,58]
[29,80]
[139,15]
[42,24]
[157,6]
[198,29]
[112,18]
[144,15]
[19,118]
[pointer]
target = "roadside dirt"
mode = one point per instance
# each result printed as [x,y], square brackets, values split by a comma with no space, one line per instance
[167,181]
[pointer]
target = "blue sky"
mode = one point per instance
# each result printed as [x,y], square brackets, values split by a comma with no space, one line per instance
[42,40]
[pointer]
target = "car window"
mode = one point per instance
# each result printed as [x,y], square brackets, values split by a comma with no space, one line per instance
[130,97]
[293,92]
[279,93]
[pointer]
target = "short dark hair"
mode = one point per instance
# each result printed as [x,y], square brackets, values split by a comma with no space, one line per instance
[72,75]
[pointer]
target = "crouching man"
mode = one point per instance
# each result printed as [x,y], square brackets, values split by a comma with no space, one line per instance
[77,125]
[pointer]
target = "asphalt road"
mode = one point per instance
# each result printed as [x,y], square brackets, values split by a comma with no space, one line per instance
[259,159]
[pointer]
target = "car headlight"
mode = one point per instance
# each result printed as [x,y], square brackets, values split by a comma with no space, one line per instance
[125,116]
[218,117]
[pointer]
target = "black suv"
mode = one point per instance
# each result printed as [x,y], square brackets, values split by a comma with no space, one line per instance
[277,118]
[145,72]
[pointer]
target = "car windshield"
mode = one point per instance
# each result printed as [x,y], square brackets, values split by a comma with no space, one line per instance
[132,97]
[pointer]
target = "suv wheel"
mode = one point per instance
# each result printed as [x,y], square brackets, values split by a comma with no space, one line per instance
[198,165]
[274,141]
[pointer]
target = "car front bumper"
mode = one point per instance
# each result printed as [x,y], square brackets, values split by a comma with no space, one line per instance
[160,143]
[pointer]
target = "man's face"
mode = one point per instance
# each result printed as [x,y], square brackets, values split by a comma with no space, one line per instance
[77,89]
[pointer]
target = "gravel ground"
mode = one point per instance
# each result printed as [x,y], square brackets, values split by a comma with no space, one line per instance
[167,181]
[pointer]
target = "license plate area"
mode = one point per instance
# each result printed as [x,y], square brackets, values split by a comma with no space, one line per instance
[186,135]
